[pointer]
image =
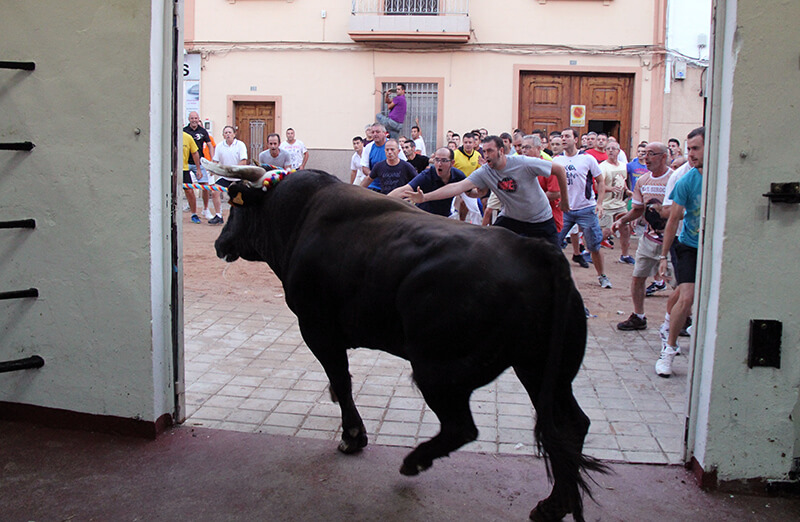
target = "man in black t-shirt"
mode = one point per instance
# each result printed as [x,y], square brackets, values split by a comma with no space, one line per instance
[392,172]
[200,136]
[418,161]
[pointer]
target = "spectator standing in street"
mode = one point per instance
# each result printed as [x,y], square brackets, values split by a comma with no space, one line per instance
[296,149]
[201,138]
[230,152]
[393,172]
[356,174]
[274,156]
[584,208]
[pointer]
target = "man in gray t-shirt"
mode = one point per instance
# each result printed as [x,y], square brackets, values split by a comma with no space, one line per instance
[275,155]
[514,180]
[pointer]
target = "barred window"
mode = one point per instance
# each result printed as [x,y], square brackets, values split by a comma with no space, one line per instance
[422,103]
[412,7]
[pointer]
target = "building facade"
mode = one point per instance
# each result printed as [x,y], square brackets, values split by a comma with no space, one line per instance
[321,67]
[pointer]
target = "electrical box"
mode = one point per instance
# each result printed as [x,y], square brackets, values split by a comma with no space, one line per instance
[208,126]
[679,70]
[764,348]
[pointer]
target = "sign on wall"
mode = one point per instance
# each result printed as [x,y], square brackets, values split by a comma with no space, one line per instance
[577,115]
[191,85]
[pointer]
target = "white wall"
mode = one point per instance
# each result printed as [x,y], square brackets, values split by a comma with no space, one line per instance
[96,255]
[747,421]
[326,81]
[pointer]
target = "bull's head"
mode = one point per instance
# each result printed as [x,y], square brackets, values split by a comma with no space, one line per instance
[246,197]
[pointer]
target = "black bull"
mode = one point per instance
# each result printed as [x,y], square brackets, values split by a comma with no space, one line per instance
[461,303]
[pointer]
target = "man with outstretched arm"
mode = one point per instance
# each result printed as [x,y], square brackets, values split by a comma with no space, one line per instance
[526,209]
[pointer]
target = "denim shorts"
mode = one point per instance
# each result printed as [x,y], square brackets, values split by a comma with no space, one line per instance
[586,219]
[204,172]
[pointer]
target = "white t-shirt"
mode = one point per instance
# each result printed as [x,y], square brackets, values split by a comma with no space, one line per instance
[614,176]
[578,168]
[296,152]
[355,164]
[419,145]
[231,154]
[676,175]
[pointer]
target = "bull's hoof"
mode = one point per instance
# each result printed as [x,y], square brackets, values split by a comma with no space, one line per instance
[411,469]
[350,445]
[541,514]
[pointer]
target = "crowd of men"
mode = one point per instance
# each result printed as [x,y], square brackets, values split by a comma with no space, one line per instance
[556,185]
[289,154]
[543,185]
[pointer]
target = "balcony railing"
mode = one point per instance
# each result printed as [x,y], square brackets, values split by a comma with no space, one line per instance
[411,7]
[410,20]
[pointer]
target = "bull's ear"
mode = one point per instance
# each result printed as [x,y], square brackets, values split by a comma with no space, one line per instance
[243,196]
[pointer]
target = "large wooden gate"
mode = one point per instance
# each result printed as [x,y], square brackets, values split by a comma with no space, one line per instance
[253,122]
[545,100]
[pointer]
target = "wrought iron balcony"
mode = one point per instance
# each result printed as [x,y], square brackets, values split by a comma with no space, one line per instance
[410,20]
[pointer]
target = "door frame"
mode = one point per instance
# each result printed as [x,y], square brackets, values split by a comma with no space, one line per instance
[520,69]
[232,100]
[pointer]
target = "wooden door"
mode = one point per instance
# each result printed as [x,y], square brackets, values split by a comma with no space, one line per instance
[545,100]
[542,101]
[253,122]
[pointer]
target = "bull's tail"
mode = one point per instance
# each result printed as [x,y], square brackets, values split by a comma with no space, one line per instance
[561,425]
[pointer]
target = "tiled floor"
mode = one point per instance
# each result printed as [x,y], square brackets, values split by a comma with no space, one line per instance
[247,369]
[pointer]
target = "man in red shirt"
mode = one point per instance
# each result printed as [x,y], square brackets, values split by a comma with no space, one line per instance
[599,150]
[532,146]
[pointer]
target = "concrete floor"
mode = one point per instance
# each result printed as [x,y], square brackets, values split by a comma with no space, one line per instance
[201,474]
[248,370]
[259,443]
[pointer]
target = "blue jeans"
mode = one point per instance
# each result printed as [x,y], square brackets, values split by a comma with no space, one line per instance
[586,219]
[392,126]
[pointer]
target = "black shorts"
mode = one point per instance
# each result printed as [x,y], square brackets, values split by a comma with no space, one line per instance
[187,176]
[544,230]
[222,182]
[686,269]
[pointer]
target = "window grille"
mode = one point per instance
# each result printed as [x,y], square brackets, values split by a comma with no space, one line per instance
[422,102]
[412,7]
[256,138]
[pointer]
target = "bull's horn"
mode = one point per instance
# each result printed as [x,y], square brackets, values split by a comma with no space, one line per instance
[245,172]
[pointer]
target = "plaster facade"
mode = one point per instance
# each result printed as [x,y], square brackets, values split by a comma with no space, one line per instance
[745,422]
[97,109]
[329,84]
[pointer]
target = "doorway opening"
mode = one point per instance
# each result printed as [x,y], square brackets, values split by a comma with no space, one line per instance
[609,128]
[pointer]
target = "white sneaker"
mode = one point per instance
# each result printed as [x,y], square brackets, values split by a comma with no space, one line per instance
[604,281]
[186,207]
[663,332]
[664,363]
[207,214]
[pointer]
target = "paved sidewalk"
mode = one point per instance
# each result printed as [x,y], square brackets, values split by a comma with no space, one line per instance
[247,369]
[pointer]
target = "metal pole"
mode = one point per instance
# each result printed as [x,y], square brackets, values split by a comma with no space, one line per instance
[18,294]
[21,223]
[20,145]
[28,363]
[25,66]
